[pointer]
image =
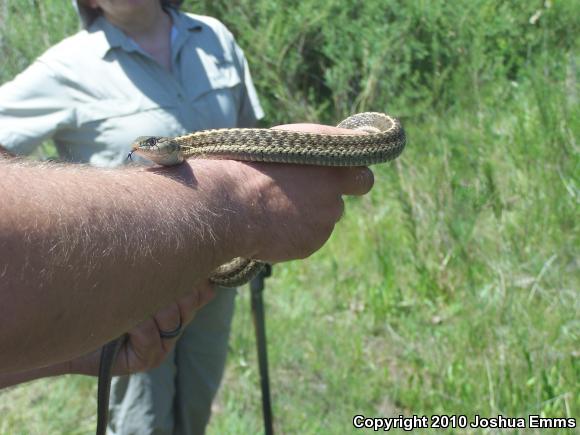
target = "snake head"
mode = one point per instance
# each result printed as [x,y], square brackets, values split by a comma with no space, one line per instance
[143,145]
[145,142]
[161,150]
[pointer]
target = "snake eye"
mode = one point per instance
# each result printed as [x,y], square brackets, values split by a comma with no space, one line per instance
[151,141]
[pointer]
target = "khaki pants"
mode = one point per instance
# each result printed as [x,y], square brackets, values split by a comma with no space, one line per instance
[176,397]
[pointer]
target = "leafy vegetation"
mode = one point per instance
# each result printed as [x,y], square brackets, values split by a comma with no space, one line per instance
[453,288]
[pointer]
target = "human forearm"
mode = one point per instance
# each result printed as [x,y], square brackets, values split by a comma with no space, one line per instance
[10,379]
[87,264]
[143,349]
[85,254]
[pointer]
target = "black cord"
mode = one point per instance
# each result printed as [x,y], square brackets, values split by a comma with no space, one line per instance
[258,315]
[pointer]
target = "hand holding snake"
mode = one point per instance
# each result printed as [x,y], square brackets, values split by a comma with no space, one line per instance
[384,141]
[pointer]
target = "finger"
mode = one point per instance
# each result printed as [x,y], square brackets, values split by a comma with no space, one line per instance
[357,180]
[144,339]
[188,305]
[144,348]
[317,128]
[168,319]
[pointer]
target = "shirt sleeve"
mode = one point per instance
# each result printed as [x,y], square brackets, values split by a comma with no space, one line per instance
[32,107]
[250,110]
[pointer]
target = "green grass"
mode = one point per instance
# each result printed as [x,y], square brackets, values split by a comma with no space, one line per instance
[453,288]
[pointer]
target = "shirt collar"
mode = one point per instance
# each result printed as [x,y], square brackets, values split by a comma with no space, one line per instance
[185,22]
[109,37]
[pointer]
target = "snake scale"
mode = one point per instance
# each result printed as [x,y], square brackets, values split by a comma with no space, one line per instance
[384,141]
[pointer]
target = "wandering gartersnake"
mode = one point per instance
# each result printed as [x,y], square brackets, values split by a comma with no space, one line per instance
[384,141]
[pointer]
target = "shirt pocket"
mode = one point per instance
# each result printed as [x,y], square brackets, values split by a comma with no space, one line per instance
[105,129]
[217,73]
[216,93]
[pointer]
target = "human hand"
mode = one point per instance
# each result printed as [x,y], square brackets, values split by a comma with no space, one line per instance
[144,348]
[291,210]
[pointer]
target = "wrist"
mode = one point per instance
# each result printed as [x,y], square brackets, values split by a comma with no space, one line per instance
[84,365]
[229,206]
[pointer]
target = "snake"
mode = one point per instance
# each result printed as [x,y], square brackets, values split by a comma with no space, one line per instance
[384,140]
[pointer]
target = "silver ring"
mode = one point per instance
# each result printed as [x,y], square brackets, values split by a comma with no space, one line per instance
[173,333]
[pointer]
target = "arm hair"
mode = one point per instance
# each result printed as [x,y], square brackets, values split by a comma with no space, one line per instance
[85,254]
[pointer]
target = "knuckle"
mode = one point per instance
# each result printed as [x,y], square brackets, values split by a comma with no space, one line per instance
[149,328]
[168,317]
[333,211]
[317,239]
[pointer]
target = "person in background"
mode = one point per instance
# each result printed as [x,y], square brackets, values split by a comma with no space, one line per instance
[140,68]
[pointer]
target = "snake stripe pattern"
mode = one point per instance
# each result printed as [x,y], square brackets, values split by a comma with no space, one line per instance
[384,141]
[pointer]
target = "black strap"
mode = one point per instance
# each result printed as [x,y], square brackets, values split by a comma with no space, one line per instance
[257,289]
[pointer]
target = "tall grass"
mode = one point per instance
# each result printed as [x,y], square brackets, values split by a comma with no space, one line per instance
[454,286]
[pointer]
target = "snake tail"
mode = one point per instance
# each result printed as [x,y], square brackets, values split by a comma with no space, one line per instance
[109,354]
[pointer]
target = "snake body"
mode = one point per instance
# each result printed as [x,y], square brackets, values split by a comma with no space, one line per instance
[384,141]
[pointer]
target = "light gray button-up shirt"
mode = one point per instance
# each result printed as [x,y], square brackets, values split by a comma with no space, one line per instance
[96,91]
